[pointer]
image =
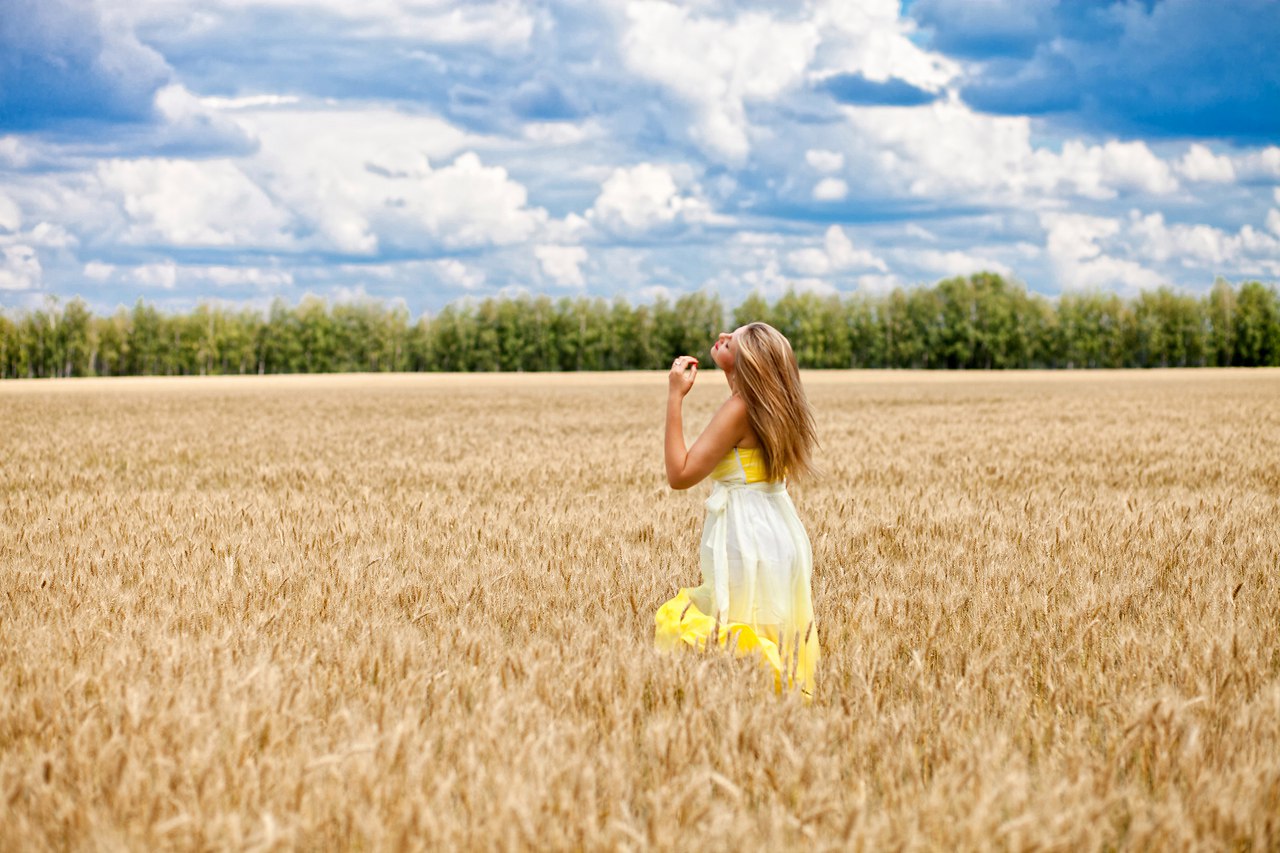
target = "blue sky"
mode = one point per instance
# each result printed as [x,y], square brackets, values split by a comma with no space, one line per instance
[240,150]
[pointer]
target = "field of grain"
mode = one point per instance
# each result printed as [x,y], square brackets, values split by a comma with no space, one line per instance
[400,611]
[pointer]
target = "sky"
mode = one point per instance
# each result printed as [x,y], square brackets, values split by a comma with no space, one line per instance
[427,151]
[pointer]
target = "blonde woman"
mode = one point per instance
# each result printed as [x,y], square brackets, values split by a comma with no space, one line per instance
[757,565]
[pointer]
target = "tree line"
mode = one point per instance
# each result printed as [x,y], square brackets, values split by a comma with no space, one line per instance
[982,321]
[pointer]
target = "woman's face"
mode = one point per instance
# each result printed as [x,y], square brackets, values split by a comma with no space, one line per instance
[725,350]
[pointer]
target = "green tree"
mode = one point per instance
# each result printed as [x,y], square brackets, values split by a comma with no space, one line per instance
[77,339]
[1257,326]
[1220,315]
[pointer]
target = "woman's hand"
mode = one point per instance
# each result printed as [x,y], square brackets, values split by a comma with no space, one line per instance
[684,370]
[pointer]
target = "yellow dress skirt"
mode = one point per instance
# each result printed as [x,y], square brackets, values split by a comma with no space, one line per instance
[757,569]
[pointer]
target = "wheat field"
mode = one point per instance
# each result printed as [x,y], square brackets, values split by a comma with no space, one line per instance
[397,612]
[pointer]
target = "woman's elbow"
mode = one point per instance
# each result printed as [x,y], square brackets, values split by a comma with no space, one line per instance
[679,482]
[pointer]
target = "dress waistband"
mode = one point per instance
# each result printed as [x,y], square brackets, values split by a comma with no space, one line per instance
[721,489]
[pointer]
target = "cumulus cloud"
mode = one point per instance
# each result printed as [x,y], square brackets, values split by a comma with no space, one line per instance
[562,264]
[193,203]
[162,274]
[1080,262]
[836,254]
[930,152]
[225,276]
[642,198]
[1201,164]
[191,127]
[1103,171]
[871,39]
[10,214]
[19,268]
[168,275]
[760,272]
[955,263]
[14,154]
[458,274]
[1260,165]
[498,24]
[830,189]
[717,65]
[365,181]
[821,160]
[1247,251]
[98,271]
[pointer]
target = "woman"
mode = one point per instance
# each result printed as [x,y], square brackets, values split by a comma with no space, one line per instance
[756,560]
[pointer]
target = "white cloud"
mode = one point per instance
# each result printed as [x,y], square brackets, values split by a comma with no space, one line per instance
[919,233]
[830,189]
[716,66]
[1259,165]
[98,271]
[768,281]
[955,263]
[19,268]
[14,153]
[932,151]
[929,151]
[1079,261]
[758,270]
[1248,251]
[45,235]
[837,254]
[1273,219]
[824,161]
[654,292]
[168,274]
[878,284]
[224,276]
[809,261]
[193,203]
[1201,164]
[560,133]
[562,264]
[364,181]
[163,274]
[10,214]
[1099,171]
[873,38]
[642,198]
[572,229]
[50,235]
[470,204]
[189,123]
[501,25]
[457,273]
[248,102]
[348,295]
[843,255]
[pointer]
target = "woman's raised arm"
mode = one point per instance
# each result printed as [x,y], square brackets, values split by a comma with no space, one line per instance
[688,467]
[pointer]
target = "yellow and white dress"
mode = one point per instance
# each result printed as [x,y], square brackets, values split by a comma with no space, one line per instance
[757,569]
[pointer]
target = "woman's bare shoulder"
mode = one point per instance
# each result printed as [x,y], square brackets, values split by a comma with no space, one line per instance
[735,409]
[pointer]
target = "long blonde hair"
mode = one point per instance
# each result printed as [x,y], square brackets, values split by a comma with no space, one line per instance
[766,376]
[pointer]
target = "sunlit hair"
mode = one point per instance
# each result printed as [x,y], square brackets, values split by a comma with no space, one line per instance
[765,374]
